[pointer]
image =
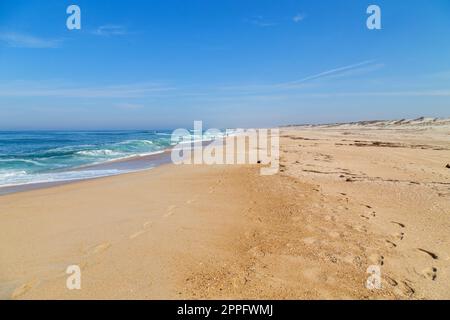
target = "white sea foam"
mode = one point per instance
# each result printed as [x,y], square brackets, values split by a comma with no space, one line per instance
[22,160]
[101,152]
[17,178]
[135,141]
[74,156]
[126,157]
[11,174]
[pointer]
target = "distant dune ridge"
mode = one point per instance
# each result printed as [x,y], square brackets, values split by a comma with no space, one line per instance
[419,122]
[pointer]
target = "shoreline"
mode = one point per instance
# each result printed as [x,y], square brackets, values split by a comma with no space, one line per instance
[127,165]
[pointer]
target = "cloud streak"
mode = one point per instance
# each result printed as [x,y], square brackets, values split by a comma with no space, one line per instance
[308,82]
[21,40]
[348,70]
[110,30]
[139,90]
[260,21]
[299,17]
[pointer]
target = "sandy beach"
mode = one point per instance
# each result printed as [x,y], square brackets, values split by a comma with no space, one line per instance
[347,197]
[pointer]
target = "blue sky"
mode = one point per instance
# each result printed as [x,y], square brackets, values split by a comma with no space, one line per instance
[250,63]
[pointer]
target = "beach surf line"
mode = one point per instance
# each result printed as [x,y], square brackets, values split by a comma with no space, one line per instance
[229,147]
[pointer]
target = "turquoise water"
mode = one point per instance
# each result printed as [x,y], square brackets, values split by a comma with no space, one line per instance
[50,156]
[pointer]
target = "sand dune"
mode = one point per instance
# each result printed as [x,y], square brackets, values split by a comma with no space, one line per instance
[419,123]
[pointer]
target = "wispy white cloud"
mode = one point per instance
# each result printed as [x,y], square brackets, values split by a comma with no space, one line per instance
[21,40]
[264,22]
[349,70]
[267,98]
[352,70]
[405,93]
[349,94]
[111,30]
[138,90]
[299,17]
[260,21]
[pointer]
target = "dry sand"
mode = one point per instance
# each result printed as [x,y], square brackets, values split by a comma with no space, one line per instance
[347,197]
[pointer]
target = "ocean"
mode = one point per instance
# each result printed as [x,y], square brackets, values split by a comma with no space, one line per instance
[29,157]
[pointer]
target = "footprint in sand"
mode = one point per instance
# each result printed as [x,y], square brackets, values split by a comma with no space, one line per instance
[101,248]
[390,244]
[431,254]
[430,273]
[213,188]
[404,289]
[369,215]
[401,225]
[392,282]
[137,234]
[376,259]
[170,211]
[399,235]
[20,291]
[360,228]
[147,224]
[191,201]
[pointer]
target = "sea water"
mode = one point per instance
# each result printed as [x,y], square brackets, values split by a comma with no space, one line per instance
[28,157]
